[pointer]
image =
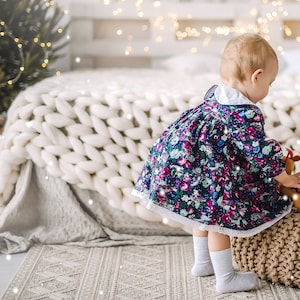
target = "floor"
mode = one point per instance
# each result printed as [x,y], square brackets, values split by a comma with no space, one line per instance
[9,265]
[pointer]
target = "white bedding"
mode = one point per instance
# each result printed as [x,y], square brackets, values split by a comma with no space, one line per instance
[94,128]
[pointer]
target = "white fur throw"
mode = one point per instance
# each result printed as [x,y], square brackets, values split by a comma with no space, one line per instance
[94,128]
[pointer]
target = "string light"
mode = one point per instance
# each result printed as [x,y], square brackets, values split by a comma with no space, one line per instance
[205,32]
[161,23]
[156,3]
[6,33]
[45,46]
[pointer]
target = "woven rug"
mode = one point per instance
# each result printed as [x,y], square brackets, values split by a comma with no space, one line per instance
[125,272]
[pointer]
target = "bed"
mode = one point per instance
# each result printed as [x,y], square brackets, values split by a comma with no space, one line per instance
[91,131]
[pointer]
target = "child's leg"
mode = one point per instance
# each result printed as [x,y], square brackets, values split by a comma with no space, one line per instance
[202,264]
[227,280]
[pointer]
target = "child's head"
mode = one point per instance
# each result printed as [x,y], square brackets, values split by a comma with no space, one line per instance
[244,54]
[251,63]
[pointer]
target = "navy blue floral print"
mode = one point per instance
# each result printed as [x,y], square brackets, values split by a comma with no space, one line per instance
[214,165]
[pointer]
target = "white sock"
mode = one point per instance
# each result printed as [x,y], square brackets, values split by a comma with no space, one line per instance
[227,280]
[202,264]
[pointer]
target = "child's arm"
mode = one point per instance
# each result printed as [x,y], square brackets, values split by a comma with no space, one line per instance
[292,181]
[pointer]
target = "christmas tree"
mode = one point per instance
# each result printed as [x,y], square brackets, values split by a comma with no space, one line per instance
[31,37]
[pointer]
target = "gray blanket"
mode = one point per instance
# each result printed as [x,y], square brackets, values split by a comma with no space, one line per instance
[48,210]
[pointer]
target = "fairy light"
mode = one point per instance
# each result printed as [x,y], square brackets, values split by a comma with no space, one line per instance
[128,50]
[159,39]
[156,3]
[138,4]
[285,197]
[117,12]
[287,30]
[280,48]
[223,30]
[49,3]
[165,220]
[285,13]
[161,23]
[261,26]
[44,45]
[6,33]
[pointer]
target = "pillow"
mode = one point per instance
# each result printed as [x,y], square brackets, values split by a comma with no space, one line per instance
[291,62]
[193,63]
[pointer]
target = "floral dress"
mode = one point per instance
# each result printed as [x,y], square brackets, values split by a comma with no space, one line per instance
[214,168]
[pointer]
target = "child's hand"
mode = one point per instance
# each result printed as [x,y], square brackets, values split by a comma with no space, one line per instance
[291,181]
[294,181]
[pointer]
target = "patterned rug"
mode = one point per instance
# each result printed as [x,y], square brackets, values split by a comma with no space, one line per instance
[125,272]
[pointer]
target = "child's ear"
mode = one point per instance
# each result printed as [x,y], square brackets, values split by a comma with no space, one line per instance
[255,75]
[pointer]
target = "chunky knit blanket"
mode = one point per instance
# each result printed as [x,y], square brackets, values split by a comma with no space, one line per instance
[94,128]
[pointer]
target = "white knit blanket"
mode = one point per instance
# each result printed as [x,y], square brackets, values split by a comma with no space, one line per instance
[94,128]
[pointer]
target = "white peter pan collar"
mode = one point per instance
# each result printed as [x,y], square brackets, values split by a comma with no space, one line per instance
[230,96]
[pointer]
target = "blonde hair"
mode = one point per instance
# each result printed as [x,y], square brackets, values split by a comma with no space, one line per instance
[244,54]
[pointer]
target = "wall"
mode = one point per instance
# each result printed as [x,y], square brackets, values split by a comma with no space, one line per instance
[142,33]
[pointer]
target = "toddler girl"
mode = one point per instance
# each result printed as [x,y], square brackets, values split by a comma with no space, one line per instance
[215,170]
